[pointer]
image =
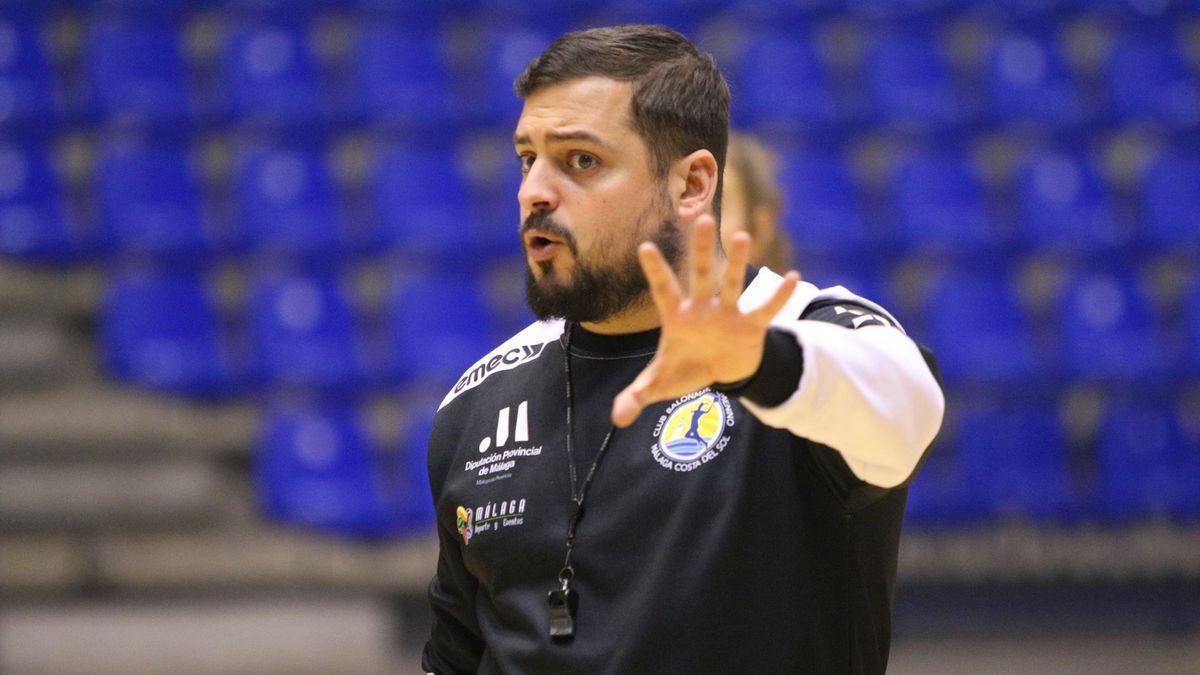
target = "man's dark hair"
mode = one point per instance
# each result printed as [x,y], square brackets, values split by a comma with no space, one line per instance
[680,99]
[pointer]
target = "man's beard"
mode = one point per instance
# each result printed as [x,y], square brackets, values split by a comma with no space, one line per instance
[594,293]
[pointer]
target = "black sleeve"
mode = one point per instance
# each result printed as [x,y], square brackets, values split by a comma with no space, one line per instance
[455,644]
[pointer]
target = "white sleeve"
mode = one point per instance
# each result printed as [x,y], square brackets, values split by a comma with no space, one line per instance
[865,392]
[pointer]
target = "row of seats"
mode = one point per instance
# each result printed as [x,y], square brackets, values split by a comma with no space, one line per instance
[166,331]
[151,200]
[318,468]
[139,68]
[1013,461]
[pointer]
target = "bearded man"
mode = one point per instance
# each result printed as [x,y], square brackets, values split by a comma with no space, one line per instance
[687,465]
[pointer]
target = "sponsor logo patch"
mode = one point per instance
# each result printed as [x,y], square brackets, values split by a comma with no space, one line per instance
[474,521]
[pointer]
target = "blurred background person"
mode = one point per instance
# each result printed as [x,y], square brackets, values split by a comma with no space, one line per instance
[753,202]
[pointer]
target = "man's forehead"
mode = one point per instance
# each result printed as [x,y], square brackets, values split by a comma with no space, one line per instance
[593,105]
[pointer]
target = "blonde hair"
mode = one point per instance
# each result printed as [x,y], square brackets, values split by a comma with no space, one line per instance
[758,168]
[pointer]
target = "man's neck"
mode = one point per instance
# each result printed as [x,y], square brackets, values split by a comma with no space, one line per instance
[642,316]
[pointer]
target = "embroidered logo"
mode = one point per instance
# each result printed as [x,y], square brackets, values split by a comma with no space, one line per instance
[465,520]
[693,431]
[497,459]
[490,517]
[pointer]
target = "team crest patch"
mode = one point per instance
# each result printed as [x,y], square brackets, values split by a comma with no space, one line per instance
[466,524]
[693,431]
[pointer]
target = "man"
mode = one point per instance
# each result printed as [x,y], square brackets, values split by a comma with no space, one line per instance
[583,527]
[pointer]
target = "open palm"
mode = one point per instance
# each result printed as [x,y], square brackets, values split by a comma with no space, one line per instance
[706,338]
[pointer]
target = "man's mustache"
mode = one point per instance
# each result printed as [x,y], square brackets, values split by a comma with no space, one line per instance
[541,220]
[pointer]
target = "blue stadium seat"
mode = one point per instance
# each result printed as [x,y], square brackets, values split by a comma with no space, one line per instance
[271,75]
[1147,467]
[437,351]
[287,203]
[421,203]
[304,333]
[1027,81]
[1016,457]
[939,202]
[822,205]
[33,222]
[909,82]
[979,332]
[503,55]
[1191,326]
[1106,331]
[1064,206]
[319,469]
[161,330]
[26,84]
[402,74]
[782,83]
[149,198]
[1149,79]
[136,70]
[1171,201]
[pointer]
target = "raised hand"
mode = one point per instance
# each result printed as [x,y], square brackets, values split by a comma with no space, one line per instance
[705,337]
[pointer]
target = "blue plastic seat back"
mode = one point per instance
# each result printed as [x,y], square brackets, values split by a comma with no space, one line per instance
[1027,80]
[286,198]
[939,203]
[822,210]
[162,330]
[303,331]
[33,222]
[319,469]
[1149,79]
[402,74]
[26,82]
[1191,328]
[421,201]
[909,81]
[137,69]
[781,81]
[1171,201]
[502,55]
[271,74]
[1105,328]
[1015,456]
[149,198]
[440,326]
[1147,467]
[978,330]
[1064,205]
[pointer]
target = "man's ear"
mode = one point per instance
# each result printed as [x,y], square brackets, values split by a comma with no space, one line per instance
[693,183]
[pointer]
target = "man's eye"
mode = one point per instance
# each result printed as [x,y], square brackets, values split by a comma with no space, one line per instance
[526,162]
[582,161]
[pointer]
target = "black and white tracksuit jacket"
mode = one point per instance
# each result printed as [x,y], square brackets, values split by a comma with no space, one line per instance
[752,530]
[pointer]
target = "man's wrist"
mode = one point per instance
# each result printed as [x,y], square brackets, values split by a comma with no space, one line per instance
[778,374]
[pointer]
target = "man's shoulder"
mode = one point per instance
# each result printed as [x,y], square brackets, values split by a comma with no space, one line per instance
[808,299]
[520,349]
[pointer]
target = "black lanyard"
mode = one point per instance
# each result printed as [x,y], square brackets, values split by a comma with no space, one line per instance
[562,602]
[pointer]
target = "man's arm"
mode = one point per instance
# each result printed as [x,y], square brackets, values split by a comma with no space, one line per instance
[846,377]
[455,645]
[865,390]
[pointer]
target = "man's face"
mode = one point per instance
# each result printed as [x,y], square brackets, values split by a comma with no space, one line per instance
[588,197]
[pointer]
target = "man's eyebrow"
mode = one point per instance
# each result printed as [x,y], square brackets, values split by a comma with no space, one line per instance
[557,136]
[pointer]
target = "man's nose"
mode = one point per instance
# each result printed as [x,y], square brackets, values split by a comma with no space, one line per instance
[537,192]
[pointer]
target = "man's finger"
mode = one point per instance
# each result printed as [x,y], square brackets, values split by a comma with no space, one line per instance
[704,238]
[735,269]
[629,403]
[664,287]
[767,311]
